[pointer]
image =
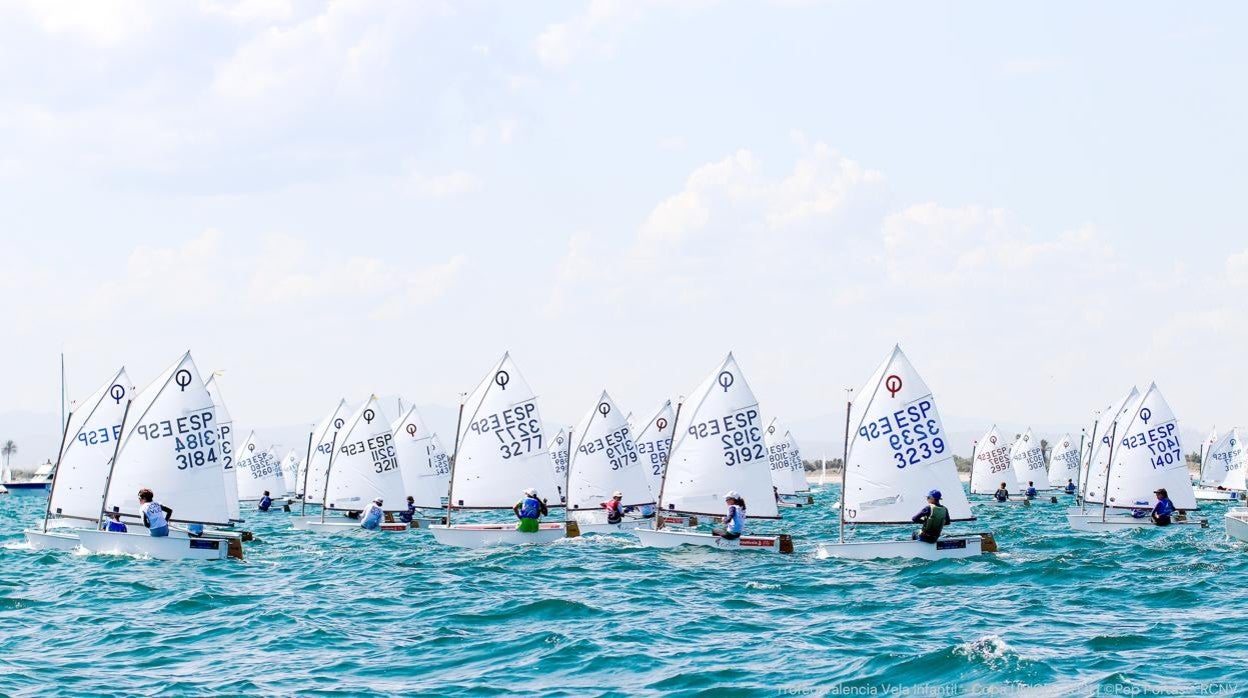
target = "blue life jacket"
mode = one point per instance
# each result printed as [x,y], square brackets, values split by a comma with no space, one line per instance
[530,508]
[116,527]
[373,519]
[1031,491]
[407,516]
[1164,507]
[265,503]
[1070,488]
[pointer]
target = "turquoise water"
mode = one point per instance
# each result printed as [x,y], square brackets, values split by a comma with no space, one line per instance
[1079,614]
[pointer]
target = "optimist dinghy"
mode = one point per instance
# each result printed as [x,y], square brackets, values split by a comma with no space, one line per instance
[718,448]
[425,466]
[991,468]
[364,467]
[605,460]
[81,474]
[257,472]
[559,458]
[1222,470]
[787,476]
[501,451]
[320,450]
[1144,454]
[896,453]
[225,440]
[1064,462]
[169,444]
[1027,460]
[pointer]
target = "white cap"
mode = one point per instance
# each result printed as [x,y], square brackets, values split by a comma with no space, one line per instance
[377,501]
[530,491]
[732,494]
[617,493]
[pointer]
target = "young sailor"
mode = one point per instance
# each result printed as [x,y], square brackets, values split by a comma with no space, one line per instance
[407,516]
[1070,486]
[1031,490]
[934,518]
[370,519]
[530,510]
[615,512]
[265,502]
[1164,508]
[115,524]
[734,520]
[155,515]
[1001,494]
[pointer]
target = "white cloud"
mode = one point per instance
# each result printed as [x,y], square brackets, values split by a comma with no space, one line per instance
[446,185]
[593,30]
[247,11]
[1237,269]
[105,23]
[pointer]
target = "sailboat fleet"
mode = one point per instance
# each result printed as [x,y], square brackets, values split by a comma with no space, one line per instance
[659,476]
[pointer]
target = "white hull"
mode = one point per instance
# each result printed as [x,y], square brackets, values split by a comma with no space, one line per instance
[53,539]
[605,528]
[1237,524]
[945,548]
[1117,522]
[316,526]
[166,548]
[484,536]
[1212,494]
[669,538]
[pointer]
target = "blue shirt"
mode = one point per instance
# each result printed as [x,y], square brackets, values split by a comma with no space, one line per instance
[265,503]
[1164,507]
[407,516]
[735,520]
[372,518]
[116,527]
[1031,491]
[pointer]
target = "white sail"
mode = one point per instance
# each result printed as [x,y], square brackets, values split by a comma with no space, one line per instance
[258,471]
[719,448]
[1098,462]
[169,445]
[366,464]
[502,448]
[1027,460]
[654,440]
[1224,463]
[1063,462]
[422,460]
[604,459]
[225,436]
[797,469]
[990,464]
[1208,443]
[780,453]
[324,436]
[897,450]
[90,439]
[290,472]
[1148,455]
[558,450]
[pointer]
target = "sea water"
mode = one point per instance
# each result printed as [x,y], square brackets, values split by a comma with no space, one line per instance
[1144,612]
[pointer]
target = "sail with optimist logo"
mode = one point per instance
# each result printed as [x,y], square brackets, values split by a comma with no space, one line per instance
[1224,463]
[1148,455]
[990,464]
[324,437]
[1063,462]
[654,441]
[425,466]
[1027,460]
[1098,461]
[91,436]
[365,464]
[604,460]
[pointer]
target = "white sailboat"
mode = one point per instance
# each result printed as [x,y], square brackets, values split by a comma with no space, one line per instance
[1222,470]
[604,460]
[654,440]
[169,445]
[365,466]
[896,453]
[559,457]
[81,473]
[1092,487]
[1027,462]
[797,468]
[718,448]
[320,449]
[290,473]
[1064,462]
[423,462]
[258,472]
[225,440]
[782,457]
[500,451]
[991,466]
[1145,454]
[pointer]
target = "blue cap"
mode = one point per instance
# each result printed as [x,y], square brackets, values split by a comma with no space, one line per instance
[934,494]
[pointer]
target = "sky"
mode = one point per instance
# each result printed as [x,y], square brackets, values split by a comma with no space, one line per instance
[1040,202]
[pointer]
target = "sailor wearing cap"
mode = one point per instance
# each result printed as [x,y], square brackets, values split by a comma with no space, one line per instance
[530,510]
[934,518]
[372,516]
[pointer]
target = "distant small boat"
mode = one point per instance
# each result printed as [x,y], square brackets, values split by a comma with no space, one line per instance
[39,483]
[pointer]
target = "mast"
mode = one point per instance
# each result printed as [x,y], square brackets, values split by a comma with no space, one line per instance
[844,464]
[450,492]
[303,489]
[64,419]
[1108,467]
[47,510]
[1079,470]
[108,482]
[667,459]
[1087,471]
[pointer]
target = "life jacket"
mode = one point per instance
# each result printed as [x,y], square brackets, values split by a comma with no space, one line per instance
[1070,488]
[1031,491]
[735,520]
[614,515]
[530,508]
[265,503]
[372,518]
[116,527]
[936,520]
[153,515]
[1001,495]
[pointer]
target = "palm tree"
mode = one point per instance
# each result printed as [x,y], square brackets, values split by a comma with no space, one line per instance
[7,451]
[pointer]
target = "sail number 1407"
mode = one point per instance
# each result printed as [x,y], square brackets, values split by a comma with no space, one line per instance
[911,433]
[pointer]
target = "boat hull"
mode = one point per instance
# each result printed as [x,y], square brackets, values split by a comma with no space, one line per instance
[487,535]
[1237,524]
[943,549]
[1094,522]
[28,488]
[53,539]
[318,526]
[165,548]
[1212,494]
[669,538]
[607,528]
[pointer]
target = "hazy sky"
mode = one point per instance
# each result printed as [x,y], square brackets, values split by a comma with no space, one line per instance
[1042,203]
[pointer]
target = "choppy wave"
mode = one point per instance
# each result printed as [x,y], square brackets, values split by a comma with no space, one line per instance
[1056,613]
